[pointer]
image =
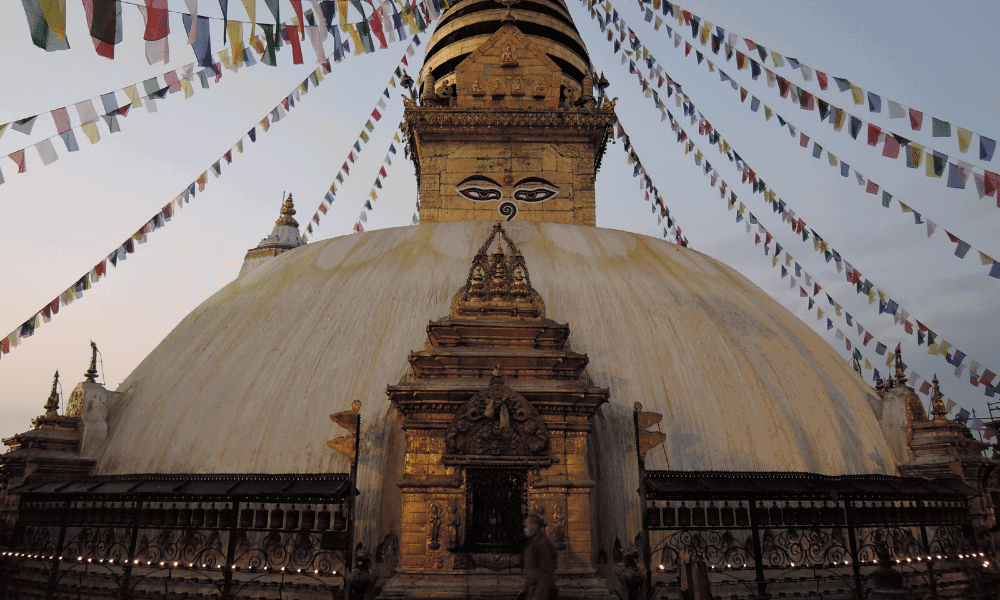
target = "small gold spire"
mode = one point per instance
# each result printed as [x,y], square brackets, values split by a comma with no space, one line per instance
[498,376]
[53,403]
[287,210]
[91,373]
[900,375]
[937,400]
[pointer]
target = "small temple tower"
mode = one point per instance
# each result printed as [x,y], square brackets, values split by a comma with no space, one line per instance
[284,237]
[507,123]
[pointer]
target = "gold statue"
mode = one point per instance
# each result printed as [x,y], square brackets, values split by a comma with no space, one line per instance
[477,88]
[509,57]
[498,87]
[518,88]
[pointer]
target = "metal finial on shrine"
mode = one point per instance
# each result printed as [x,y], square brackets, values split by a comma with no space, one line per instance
[91,373]
[52,405]
[937,401]
[508,4]
[900,375]
[287,213]
[602,85]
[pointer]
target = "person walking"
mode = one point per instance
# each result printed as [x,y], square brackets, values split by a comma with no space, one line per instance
[539,562]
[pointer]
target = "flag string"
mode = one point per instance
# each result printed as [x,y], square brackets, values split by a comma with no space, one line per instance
[717,36]
[988,183]
[646,184]
[164,215]
[924,334]
[360,140]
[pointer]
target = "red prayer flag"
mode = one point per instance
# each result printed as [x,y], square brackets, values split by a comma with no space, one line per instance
[756,237]
[872,187]
[297,5]
[803,140]
[751,45]
[803,292]
[376,115]
[157,25]
[687,49]
[992,183]
[54,305]
[816,291]
[61,118]
[18,158]
[228,156]
[821,77]
[767,239]
[293,39]
[916,119]
[101,268]
[5,345]
[285,103]
[316,217]
[743,94]
[322,208]
[908,327]
[382,172]
[405,63]
[925,388]
[891,148]
[873,132]
[868,338]
[740,59]
[987,377]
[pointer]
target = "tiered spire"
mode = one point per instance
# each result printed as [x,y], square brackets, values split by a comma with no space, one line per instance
[52,405]
[287,213]
[91,373]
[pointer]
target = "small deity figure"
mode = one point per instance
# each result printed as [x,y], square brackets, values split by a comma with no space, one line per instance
[477,88]
[448,96]
[539,90]
[518,88]
[454,523]
[570,100]
[498,87]
[558,527]
[435,524]
[508,58]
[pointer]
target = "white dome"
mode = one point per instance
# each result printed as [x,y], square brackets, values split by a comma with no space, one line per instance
[246,382]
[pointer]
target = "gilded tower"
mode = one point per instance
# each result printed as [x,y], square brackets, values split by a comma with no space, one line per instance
[507,125]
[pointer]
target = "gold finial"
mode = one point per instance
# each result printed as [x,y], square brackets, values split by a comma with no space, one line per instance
[900,375]
[53,403]
[937,401]
[91,373]
[287,210]
[508,4]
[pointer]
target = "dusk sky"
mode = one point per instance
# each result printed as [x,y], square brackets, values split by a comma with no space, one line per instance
[62,219]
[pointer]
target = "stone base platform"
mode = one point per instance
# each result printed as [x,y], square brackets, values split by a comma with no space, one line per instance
[488,585]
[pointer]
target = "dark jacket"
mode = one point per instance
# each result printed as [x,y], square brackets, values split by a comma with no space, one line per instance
[539,568]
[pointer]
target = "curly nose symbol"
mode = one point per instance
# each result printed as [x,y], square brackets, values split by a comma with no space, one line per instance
[508,209]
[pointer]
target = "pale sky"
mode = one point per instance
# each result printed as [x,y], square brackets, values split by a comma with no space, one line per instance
[62,219]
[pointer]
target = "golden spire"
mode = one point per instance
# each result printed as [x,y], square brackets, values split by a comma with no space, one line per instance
[287,210]
[91,373]
[53,403]
[937,400]
[498,376]
[900,375]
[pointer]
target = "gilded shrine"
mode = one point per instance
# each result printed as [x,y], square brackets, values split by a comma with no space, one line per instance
[496,416]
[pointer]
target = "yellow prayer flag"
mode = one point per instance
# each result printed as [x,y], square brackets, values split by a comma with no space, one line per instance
[943,347]
[187,87]
[265,123]
[871,296]
[778,60]
[858,94]
[698,156]
[823,246]
[839,116]
[90,130]
[819,314]
[833,159]
[881,296]
[742,209]
[703,38]
[985,259]
[950,405]
[251,8]
[930,167]
[903,207]
[392,81]
[788,259]
[235,29]
[395,138]
[372,194]
[767,113]
[725,146]
[224,58]
[319,74]
[916,155]
[774,261]
[711,67]
[303,89]
[815,244]
[868,365]
[888,358]
[54,12]
[239,146]
[837,307]
[964,139]
[133,96]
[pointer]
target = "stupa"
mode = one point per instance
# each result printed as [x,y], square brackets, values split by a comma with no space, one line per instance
[500,351]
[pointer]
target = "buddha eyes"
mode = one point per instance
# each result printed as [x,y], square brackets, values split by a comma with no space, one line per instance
[537,194]
[479,194]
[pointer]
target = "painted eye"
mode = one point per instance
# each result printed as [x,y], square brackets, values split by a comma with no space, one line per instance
[479,194]
[538,194]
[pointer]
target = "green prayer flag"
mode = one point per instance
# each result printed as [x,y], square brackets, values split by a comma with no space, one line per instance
[920,338]
[940,128]
[817,150]
[378,183]
[931,336]
[880,349]
[962,249]
[886,198]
